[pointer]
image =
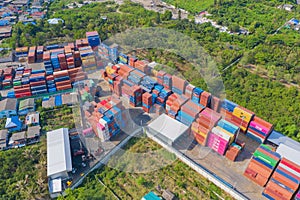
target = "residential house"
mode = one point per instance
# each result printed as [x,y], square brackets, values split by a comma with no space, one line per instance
[3,139]
[5,31]
[13,124]
[26,106]
[18,139]
[168,195]
[33,134]
[48,103]
[55,21]
[8,107]
[32,119]
[70,99]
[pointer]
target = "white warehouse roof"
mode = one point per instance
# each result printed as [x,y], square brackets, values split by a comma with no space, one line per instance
[287,151]
[58,152]
[168,127]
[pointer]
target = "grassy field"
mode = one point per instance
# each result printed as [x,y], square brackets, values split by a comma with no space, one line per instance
[177,177]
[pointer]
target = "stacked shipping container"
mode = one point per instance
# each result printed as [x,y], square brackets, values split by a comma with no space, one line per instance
[262,164]
[31,54]
[88,59]
[93,38]
[284,182]
[259,129]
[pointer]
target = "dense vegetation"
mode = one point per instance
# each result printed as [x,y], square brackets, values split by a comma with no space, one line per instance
[23,173]
[136,185]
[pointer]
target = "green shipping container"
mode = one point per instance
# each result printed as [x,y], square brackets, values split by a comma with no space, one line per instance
[265,158]
[17,83]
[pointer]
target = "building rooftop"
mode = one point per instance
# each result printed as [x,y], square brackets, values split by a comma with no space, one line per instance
[3,134]
[33,131]
[58,152]
[8,104]
[71,98]
[55,185]
[49,103]
[168,195]
[13,122]
[18,136]
[168,127]
[26,104]
[32,118]
[288,152]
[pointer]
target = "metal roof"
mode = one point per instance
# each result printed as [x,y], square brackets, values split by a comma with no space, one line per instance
[169,127]
[8,104]
[288,152]
[26,104]
[33,131]
[58,152]
[278,138]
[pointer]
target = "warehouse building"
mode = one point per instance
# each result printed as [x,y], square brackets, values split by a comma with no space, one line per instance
[167,129]
[59,161]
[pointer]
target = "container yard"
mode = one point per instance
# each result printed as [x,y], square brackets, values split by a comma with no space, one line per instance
[233,139]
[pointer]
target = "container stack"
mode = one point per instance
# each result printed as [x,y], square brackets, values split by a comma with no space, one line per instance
[47,63]
[132,61]
[189,91]
[88,59]
[228,128]
[69,57]
[38,82]
[227,107]
[124,70]
[148,83]
[205,98]
[233,151]
[62,61]
[147,102]
[189,112]
[21,52]
[196,95]
[204,123]
[8,75]
[123,58]
[93,38]
[1,78]
[160,77]
[135,97]
[284,182]
[55,62]
[218,141]
[215,103]
[18,76]
[259,129]
[178,85]
[62,80]
[174,103]
[51,83]
[81,43]
[136,76]
[262,164]
[77,59]
[163,96]
[23,90]
[242,117]
[168,81]
[297,196]
[127,89]
[118,86]
[39,53]
[76,74]
[141,65]
[31,55]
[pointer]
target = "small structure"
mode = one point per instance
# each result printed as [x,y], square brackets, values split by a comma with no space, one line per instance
[151,196]
[8,107]
[5,31]
[3,139]
[55,21]
[33,134]
[50,103]
[32,119]
[69,99]
[55,187]
[18,139]
[167,129]
[13,124]
[26,106]
[168,195]
[59,161]
[288,7]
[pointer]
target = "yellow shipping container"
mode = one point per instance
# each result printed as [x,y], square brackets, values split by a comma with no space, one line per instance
[240,113]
